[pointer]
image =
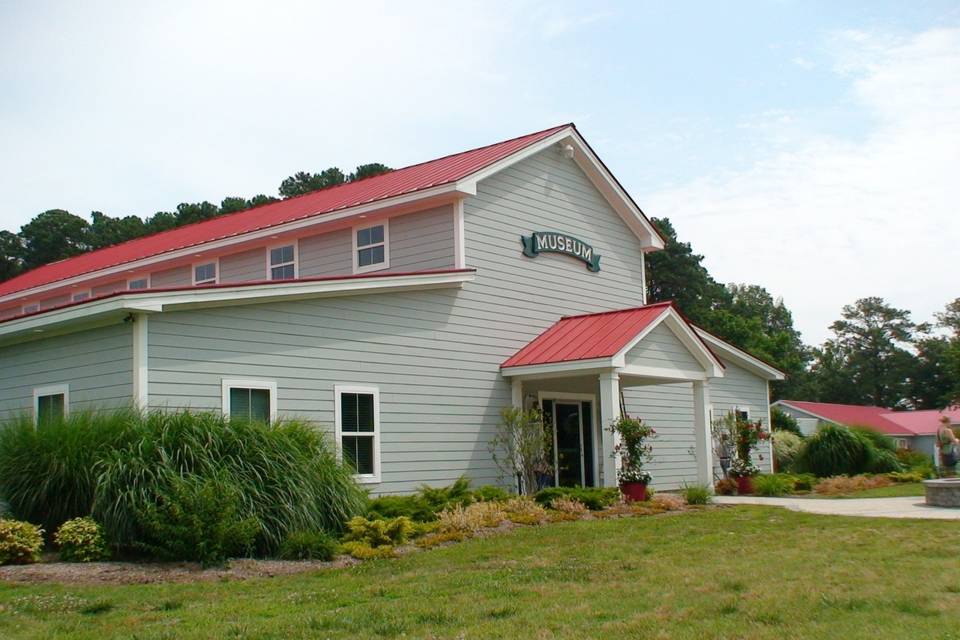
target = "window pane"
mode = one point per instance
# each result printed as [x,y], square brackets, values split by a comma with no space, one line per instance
[240,403]
[367,257]
[138,284]
[376,234]
[282,273]
[281,255]
[356,412]
[260,405]
[348,412]
[205,272]
[49,408]
[363,237]
[77,297]
[358,452]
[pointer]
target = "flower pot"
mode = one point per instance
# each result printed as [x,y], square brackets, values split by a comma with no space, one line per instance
[745,485]
[634,491]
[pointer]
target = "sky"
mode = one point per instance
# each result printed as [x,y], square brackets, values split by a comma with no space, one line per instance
[812,148]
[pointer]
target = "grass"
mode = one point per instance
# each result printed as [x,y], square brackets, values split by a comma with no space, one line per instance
[893,491]
[712,573]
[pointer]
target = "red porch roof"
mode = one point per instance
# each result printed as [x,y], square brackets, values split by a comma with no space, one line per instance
[589,336]
[395,183]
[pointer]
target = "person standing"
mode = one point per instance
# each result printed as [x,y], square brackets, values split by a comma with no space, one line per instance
[948,442]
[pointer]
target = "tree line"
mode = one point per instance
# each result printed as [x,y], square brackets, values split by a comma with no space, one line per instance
[877,354]
[56,234]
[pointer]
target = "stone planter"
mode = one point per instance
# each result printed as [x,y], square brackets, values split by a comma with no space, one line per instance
[634,491]
[943,492]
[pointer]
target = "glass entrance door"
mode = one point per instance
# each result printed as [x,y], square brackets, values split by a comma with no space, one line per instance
[569,448]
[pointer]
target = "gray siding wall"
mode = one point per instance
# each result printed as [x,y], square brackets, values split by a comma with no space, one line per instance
[808,424]
[662,349]
[327,254]
[423,240]
[97,364]
[245,266]
[176,277]
[109,287]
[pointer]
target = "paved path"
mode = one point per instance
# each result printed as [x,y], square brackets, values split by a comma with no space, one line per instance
[910,507]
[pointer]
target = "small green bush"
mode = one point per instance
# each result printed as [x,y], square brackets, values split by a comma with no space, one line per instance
[803,481]
[696,494]
[491,493]
[197,519]
[782,421]
[907,476]
[439,498]
[786,448]
[20,542]
[594,498]
[81,540]
[379,533]
[884,461]
[424,505]
[308,545]
[835,450]
[773,484]
[387,507]
[911,459]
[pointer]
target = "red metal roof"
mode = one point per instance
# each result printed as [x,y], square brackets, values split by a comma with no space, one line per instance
[398,182]
[923,423]
[853,415]
[584,337]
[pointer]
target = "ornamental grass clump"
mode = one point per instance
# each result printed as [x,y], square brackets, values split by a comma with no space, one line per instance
[841,485]
[668,501]
[524,510]
[835,450]
[480,515]
[696,494]
[773,485]
[20,542]
[81,540]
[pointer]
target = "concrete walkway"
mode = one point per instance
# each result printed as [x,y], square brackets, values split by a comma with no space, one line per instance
[909,507]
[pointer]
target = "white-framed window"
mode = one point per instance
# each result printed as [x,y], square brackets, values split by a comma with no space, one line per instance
[357,418]
[371,247]
[31,308]
[902,443]
[742,413]
[80,296]
[139,283]
[51,403]
[282,262]
[205,273]
[250,400]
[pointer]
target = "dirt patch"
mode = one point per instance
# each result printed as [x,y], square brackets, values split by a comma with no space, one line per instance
[94,573]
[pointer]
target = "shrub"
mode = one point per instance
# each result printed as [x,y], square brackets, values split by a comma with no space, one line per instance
[594,498]
[286,475]
[696,494]
[571,506]
[841,485]
[379,533]
[20,542]
[911,459]
[786,448]
[387,507]
[438,499]
[364,551]
[49,474]
[907,476]
[197,519]
[835,450]
[784,422]
[803,481]
[491,493]
[434,539]
[524,510]
[773,484]
[877,439]
[668,501]
[884,461]
[81,540]
[308,545]
[725,487]
[429,501]
[469,519]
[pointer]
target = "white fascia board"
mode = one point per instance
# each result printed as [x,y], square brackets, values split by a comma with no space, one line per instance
[159,301]
[453,190]
[661,373]
[558,369]
[594,169]
[679,327]
[741,357]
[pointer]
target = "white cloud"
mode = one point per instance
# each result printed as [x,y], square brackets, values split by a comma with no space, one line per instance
[824,219]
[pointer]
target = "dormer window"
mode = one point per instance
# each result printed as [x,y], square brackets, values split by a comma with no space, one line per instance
[283,262]
[31,308]
[371,248]
[139,283]
[205,273]
[80,296]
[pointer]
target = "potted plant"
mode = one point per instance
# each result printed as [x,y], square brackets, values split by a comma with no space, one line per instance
[747,435]
[633,451]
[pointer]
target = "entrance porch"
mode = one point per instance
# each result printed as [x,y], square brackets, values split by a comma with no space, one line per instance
[580,373]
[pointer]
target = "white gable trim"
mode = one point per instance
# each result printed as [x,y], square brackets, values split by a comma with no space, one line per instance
[786,403]
[740,357]
[594,169]
[679,327]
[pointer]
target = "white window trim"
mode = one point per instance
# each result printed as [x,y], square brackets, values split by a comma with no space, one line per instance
[233,383]
[73,296]
[296,260]
[746,410]
[216,271]
[380,266]
[145,277]
[338,390]
[51,390]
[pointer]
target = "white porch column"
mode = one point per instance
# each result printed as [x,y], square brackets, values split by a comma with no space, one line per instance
[141,390]
[517,392]
[609,411]
[702,436]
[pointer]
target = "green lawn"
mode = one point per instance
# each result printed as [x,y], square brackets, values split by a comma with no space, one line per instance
[744,572]
[893,491]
